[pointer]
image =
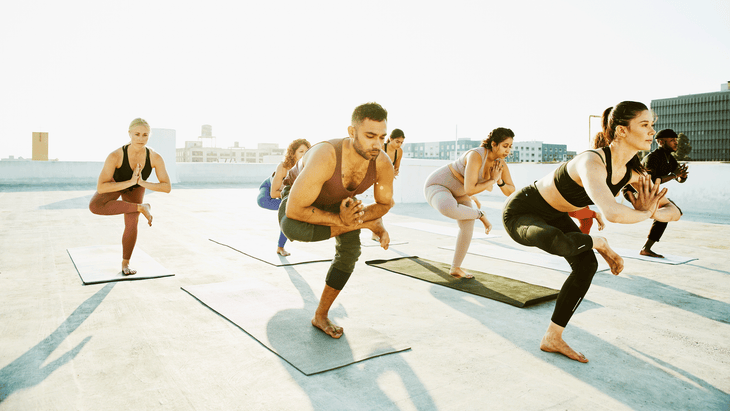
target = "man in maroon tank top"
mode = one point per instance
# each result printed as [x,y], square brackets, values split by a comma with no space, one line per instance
[318,199]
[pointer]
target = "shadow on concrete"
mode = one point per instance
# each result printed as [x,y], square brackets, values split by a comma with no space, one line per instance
[666,294]
[627,378]
[28,370]
[708,269]
[77,203]
[340,396]
[660,292]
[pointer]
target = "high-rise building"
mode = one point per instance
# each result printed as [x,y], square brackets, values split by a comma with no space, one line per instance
[704,118]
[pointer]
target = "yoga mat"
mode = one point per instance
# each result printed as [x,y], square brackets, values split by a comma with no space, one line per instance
[102,264]
[502,289]
[265,250]
[443,230]
[544,260]
[279,320]
[367,241]
[668,259]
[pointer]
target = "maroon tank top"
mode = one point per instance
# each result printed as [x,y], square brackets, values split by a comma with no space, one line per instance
[333,191]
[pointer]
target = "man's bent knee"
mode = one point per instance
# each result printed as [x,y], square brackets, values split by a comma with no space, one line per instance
[337,278]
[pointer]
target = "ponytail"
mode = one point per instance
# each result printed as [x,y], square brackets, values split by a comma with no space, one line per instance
[619,115]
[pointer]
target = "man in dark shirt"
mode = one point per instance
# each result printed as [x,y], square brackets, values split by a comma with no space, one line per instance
[662,165]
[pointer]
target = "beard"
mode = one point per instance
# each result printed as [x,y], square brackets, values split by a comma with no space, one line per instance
[359,149]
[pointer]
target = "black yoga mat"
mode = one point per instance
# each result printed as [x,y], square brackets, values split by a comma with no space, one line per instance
[506,290]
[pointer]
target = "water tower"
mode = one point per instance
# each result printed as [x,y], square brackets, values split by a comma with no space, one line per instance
[206,136]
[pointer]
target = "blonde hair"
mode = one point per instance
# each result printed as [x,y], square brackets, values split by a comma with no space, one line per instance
[138,122]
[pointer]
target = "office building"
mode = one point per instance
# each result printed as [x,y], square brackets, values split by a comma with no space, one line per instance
[522,151]
[703,118]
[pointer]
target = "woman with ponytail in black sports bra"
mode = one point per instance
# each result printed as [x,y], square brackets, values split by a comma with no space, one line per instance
[537,215]
[119,179]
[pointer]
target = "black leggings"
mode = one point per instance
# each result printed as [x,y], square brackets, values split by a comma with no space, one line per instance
[532,222]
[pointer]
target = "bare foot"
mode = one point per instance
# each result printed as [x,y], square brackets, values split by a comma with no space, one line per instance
[614,260]
[145,210]
[328,327]
[282,252]
[128,271]
[459,273]
[647,252]
[487,224]
[376,226]
[552,342]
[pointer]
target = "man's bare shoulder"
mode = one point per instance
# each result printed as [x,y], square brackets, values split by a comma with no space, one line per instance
[320,155]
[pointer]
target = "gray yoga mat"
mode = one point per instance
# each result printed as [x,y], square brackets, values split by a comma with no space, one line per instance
[265,250]
[544,260]
[102,264]
[452,231]
[668,259]
[506,290]
[279,321]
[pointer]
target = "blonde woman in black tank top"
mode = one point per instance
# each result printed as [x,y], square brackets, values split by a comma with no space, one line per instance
[124,175]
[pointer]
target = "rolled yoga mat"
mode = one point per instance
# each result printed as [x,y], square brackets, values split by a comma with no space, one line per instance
[281,322]
[544,260]
[265,250]
[444,230]
[502,289]
[102,264]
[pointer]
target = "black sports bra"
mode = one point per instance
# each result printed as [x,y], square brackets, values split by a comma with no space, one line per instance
[125,172]
[575,194]
[395,157]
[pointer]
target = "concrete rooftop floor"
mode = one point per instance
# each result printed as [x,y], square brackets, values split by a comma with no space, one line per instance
[657,336]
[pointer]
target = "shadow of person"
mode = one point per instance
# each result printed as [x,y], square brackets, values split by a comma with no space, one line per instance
[78,203]
[666,294]
[28,369]
[290,331]
[612,370]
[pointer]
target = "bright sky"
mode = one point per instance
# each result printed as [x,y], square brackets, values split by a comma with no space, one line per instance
[273,71]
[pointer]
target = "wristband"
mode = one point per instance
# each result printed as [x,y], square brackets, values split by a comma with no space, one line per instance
[501,185]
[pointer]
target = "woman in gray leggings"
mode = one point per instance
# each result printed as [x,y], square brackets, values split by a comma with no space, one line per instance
[451,188]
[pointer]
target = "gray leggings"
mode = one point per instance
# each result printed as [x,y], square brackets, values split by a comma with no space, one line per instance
[446,194]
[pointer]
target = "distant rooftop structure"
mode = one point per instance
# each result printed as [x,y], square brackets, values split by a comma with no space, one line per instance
[206,133]
[522,151]
[200,152]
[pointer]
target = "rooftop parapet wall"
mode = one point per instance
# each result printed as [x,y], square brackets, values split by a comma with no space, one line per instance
[83,172]
[706,191]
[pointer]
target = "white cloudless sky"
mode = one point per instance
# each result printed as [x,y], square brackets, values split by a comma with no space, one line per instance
[273,71]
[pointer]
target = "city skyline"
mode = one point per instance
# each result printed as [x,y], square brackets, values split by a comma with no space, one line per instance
[263,72]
